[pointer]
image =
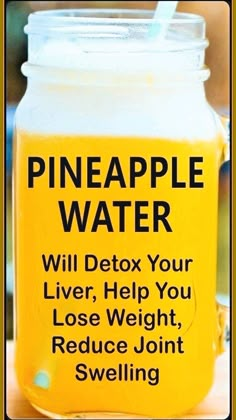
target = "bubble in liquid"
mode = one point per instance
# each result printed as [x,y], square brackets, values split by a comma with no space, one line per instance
[42,379]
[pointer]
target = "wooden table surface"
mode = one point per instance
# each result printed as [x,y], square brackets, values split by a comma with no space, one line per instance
[214,406]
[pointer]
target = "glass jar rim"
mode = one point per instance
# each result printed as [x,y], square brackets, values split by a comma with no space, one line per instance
[187,30]
[115,39]
[106,15]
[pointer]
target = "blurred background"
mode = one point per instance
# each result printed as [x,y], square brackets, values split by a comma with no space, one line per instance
[217,16]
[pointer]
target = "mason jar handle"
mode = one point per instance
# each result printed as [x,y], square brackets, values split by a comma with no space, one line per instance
[223,310]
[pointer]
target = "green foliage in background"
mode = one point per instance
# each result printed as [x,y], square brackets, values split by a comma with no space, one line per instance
[16,43]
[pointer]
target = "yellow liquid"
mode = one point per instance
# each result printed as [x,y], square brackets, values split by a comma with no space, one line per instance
[184,378]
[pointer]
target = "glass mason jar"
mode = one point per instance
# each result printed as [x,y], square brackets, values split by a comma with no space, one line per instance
[117,155]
